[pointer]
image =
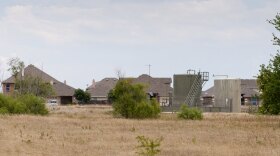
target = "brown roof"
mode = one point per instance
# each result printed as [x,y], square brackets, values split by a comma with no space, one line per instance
[209,92]
[60,88]
[102,88]
[249,88]
[157,85]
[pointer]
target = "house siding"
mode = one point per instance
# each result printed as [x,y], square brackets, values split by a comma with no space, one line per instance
[11,88]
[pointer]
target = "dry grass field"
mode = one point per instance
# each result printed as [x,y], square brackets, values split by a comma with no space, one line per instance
[92,131]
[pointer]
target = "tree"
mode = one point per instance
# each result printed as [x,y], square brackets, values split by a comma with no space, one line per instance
[27,84]
[82,96]
[130,101]
[35,86]
[120,74]
[79,94]
[269,78]
[111,96]
[16,66]
[276,23]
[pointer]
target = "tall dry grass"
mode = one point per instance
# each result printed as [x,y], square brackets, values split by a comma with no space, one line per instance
[90,131]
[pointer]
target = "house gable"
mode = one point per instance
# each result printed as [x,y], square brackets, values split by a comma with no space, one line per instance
[60,88]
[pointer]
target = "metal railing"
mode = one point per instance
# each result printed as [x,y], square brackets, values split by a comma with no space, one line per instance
[196,88]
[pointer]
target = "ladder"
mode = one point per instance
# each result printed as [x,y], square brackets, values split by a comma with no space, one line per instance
[195,91]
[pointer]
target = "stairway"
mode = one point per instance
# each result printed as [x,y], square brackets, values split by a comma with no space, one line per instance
[194,94]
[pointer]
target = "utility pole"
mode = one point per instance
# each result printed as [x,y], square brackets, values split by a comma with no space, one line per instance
[149,65]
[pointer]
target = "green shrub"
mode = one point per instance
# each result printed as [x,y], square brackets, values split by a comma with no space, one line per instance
[148,147]
[24,104]
[18,107]
[147,110]
[11,105]
[4,110]
[4,101]
[82,96]
[33,104]
[190,113]
[130,101]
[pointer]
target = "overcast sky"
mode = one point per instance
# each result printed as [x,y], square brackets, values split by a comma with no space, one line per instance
[83,40]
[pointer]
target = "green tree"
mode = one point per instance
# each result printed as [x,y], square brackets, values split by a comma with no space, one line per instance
[35,86]
[27,84]
[82,96]
[87,97]
[130,101]
[111,96]
[15,66]
[269,79]
[276,23]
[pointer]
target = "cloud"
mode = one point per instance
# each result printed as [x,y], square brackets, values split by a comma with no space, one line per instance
[22,20]
[171,34]
[136,23]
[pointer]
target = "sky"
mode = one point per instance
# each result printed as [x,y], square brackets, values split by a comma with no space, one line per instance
[79,41]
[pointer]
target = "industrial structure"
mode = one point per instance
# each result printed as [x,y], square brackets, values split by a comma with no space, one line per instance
[187,89]
[227,95]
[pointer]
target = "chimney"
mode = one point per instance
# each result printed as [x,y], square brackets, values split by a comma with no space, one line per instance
[65,82]
[51,82]
[93,83]
[22,72]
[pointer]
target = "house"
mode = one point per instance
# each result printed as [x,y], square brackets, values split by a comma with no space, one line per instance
[208,97]
[159,86]
[63,92]
[156,86]
[249,93]
[99,90]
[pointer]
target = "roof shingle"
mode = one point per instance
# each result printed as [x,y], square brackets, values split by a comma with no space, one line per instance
[155,85]
[60,88]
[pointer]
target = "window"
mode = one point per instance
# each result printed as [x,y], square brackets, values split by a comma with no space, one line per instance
[8,87]
[254,101]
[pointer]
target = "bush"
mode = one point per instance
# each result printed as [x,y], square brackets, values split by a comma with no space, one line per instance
[111,96]
[147,110]
[190,113]
[130,101]
[33,104]
[82,96]
[148,147]
[24,104]
[4,110]
[11,105]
